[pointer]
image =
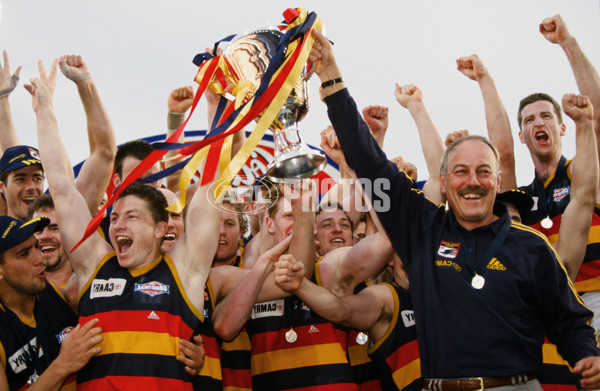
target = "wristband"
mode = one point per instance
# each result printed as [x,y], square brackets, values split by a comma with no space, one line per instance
[332,82]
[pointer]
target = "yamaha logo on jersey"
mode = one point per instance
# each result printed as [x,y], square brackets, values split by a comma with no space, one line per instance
[60,336]
[152,289]
[559,194]
[107,288]
[448,249]
[268,308]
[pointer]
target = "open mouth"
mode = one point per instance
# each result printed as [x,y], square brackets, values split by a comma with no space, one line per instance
[48,247]
[123,243]
[28,200]
[222,243]
[170,237]
[337,241]
[541,136]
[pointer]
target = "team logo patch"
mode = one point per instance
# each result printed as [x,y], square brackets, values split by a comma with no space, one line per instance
[448,249]
[60,336]
[107,288]
[268,308]
[408,317]
[34,153]
[153,288]
[559,194]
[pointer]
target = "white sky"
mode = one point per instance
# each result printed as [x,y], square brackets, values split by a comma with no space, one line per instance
[138,51]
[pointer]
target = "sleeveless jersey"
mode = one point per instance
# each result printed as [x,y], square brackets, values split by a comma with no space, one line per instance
[551,200]
[316,360]
[397,353]
[364,369]
[143,313]
[27,349]
[210,377]
[235,355]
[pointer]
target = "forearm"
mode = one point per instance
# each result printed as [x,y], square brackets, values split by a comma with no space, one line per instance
[51,379]
[498,126]
[231,314]
[302,246]
[431,141]
[174,121]
[586,75]
[323,302]
[57,166]
[584,168]
[8,135]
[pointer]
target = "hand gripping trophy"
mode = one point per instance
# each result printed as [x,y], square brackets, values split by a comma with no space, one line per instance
[249,55]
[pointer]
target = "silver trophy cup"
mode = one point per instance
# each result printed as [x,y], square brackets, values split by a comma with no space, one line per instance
[249,55]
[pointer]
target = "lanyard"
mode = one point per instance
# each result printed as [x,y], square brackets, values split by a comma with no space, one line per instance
[492,249]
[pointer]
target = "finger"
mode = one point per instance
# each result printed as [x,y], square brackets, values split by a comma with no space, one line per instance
[41,70]
[88,325]
[18,71]
[6,63]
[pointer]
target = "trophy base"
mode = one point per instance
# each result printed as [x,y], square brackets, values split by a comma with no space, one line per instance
[298,165]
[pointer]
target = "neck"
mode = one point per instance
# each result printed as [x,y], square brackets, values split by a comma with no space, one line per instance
[60,275]
[545,168]
[471,225]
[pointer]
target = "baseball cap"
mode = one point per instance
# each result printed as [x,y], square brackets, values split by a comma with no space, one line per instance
[521,200]
[19,157]
[14,231]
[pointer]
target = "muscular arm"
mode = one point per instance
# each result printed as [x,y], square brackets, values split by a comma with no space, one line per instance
[96,172]
[576,220]
[498,125]
[361,311]
[344,268]
[71,210]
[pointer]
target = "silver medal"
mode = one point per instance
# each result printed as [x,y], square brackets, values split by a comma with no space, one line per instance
[478,281]
[291,336]
[547,223]
[361,338]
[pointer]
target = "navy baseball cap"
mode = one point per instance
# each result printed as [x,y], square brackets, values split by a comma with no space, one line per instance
[521,200]
[19,157]
[14,231]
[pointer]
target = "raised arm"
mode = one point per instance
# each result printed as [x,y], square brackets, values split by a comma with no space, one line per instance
[555,30]
[498,125]
[179,102]
[71,210]
[95,173]
[577,218]
[8,82]
[194,251]
[410,97]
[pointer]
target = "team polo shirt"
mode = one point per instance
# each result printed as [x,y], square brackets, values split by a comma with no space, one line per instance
[143,313]
[464,332]
[550,200]
[28,347]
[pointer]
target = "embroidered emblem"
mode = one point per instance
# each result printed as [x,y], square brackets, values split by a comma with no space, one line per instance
[313,329]
[495,265]
[448,249]
[154,316]
[152,288]
[60,336]
[559,194]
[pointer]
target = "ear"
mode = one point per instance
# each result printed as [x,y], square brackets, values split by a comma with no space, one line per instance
[499,182]
[2,187]
[521,137]
[161,229]
[563,129]
[443,183]
[270,225]
[116,179]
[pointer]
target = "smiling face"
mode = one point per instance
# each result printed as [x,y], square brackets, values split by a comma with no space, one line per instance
[23,269]
[134,233]
[21,188]
[49,241]
[470,182]
[333,229]
[175,227]
[541,130]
